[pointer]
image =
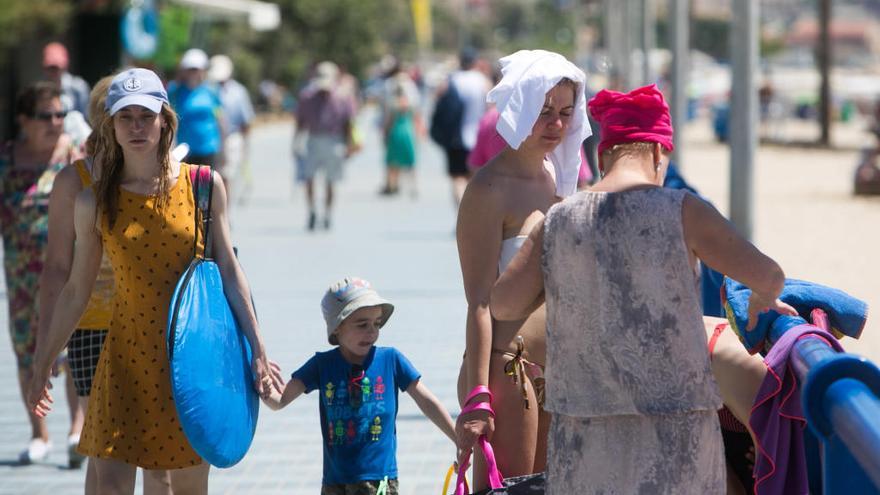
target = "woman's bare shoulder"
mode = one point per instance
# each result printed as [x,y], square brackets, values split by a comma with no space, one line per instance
[68,180]
[487,183]
[86,200]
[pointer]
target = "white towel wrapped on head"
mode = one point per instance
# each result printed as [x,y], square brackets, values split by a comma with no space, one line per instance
[527,76]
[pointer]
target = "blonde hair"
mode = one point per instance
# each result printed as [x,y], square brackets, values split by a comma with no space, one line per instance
[97,98]
[634,148]
[110,161]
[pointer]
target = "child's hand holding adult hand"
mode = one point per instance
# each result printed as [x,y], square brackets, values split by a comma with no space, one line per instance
[277,378]
[760,303]
[265,379]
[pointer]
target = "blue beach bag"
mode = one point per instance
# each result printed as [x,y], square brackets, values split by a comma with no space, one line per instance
[209,355]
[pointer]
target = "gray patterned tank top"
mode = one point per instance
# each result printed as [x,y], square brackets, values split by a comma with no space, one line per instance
[624,325]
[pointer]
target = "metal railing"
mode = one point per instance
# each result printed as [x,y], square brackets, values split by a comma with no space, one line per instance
[840,393]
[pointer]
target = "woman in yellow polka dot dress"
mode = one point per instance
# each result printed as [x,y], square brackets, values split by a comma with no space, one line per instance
[142,212]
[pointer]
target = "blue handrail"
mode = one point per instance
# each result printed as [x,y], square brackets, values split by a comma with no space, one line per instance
[840,393]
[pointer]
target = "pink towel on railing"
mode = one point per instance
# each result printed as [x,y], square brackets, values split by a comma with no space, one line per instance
[778,419]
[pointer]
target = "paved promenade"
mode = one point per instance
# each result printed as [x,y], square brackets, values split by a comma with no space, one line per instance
[405,246]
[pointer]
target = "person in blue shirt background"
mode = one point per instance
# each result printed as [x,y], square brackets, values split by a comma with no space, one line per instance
[238,113]
[200,111]
[358,384]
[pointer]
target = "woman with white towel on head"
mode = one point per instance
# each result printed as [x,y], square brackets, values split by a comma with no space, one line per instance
[542,108]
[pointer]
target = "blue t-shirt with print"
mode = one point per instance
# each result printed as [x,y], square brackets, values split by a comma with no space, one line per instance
[198,109]
[360,437]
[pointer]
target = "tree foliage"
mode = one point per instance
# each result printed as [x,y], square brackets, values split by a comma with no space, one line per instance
[507,25]
[20,20]
[354,34]
[174,36]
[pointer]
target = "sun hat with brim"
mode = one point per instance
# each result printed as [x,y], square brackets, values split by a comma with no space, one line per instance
[136,87]
[347,296]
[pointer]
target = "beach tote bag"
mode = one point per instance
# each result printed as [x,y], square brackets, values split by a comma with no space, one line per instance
[447,481]
[530,484]
[209,356]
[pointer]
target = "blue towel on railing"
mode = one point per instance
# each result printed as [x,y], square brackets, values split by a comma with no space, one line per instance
[846,314]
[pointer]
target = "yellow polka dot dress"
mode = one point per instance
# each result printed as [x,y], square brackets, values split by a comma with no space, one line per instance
[131,415]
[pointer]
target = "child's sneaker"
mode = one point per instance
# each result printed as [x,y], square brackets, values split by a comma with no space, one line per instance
[38,450]
[74,458]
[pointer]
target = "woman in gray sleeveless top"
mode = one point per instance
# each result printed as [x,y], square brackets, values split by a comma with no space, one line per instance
[628,377]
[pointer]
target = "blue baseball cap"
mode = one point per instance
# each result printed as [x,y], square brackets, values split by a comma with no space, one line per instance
[136,87]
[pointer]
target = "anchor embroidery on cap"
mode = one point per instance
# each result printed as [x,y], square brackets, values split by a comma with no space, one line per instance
[132,84]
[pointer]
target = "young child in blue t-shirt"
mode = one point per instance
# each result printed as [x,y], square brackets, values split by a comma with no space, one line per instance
[358,384]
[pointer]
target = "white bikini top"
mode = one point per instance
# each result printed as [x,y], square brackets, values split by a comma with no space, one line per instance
[509,248]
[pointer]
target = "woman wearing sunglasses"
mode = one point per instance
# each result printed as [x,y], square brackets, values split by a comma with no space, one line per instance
[140,213]
[28,166]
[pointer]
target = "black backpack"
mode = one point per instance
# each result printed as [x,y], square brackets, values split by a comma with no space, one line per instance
[446,121]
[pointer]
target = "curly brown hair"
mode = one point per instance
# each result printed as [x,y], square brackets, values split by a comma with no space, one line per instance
[110,161]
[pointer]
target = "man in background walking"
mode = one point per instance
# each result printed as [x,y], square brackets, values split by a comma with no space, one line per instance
[323,119]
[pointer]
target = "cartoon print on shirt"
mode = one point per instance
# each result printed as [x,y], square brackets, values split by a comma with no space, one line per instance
[340,432]
[379,388]
[350,432]
[348,425]
[328,393]
[365,388]
[376,429]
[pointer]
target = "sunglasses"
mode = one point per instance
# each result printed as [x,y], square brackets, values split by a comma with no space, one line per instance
[355,393]
[47,116]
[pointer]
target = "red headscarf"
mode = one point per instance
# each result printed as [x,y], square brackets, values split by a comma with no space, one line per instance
[640,115]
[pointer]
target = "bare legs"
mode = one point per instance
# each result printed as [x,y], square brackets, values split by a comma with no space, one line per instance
[392,180]
[739,375]
[77,413]
[117,478]
[310,203]
[395,175]
[114,477]
[156,482]
[192,480]
[520,438]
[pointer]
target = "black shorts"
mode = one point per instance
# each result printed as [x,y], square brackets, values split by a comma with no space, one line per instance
[367,487]
[456,162]
[83,351]
[736,446]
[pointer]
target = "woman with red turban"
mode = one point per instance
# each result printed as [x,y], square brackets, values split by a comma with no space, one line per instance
[628,379]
